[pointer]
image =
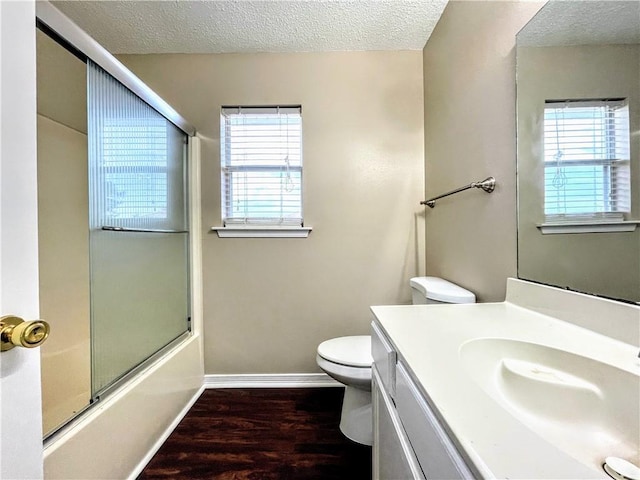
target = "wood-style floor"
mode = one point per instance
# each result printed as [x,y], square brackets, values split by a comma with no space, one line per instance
[262,434]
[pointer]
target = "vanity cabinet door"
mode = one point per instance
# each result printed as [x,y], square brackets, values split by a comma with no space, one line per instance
[384,359]
[393,458]
[435,451]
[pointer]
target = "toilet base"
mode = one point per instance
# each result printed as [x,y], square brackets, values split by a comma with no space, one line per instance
[356,422]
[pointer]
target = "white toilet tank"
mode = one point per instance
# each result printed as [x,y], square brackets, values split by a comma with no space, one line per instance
[437,290]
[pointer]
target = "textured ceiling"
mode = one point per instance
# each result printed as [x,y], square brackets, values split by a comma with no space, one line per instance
[592,22]
[234,26]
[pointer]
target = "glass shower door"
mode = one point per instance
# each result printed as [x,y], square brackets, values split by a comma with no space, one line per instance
[138,230]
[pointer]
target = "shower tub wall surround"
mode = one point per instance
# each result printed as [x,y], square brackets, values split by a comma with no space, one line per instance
[544,385]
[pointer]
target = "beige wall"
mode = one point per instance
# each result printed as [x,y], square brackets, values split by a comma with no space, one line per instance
[470,133]
[270,302]
[602,263]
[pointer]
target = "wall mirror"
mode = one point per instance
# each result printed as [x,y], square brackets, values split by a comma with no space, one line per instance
[578,132]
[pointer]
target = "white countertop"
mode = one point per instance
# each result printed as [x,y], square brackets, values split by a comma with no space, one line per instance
[495,443]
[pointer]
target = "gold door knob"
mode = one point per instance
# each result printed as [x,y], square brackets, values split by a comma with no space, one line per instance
[15,332]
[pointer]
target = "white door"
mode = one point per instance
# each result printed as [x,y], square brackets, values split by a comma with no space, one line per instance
[20,402]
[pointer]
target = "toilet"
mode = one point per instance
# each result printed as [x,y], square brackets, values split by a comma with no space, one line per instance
[348,359]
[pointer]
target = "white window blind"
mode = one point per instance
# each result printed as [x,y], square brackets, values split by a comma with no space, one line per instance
[586,159]
[261,163]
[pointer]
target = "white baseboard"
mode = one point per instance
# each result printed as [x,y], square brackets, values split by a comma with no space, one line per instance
[271,380]
[162,438]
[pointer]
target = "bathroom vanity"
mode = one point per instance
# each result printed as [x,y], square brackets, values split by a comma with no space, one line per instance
[543,385]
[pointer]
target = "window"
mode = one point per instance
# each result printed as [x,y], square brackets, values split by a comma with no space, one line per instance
[586,160]
[261,164]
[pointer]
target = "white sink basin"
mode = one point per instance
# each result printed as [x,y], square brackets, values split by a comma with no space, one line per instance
[586,408]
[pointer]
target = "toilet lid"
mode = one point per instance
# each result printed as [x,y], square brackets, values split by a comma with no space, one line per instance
[351,351]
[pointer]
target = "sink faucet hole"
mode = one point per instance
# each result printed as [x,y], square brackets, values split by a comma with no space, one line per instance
[620,469]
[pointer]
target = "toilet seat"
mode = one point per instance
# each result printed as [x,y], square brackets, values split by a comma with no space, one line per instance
[353,351]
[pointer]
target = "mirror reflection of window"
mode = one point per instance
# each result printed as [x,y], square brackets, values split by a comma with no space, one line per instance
[586,155]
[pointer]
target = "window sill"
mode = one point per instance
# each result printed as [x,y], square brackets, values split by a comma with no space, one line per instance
[262,232]
[587,227]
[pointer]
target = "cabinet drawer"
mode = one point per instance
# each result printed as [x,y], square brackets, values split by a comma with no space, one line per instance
[434,450]
[384,359]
